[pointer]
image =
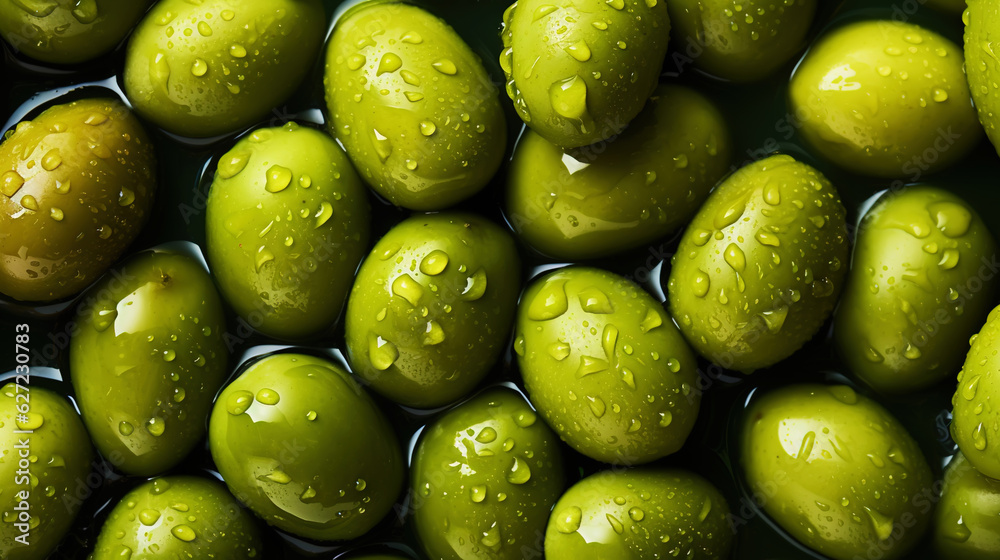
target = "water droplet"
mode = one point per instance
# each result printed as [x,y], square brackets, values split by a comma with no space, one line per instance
[613,521]
[775,318]
[382,353]
[477,493]
[445,66]
[434,334]
[970,388]
[735,258]
[881,523]
[427,128]
[666,418]
[579,50]
[56,214]
[149,517]
[597,406]
[700,283]
[595,301]
[550,302]
[979,437]
[278,179]
[558,350]
[636,514]
[179,394]
[939,95]
[268,396]
[434,263]
[199,67]
[29,202]
[525,419]
[952,219]
[407,288]
[51,160]
[568,520]
[569,98]
[156,426]
[125,428]
[10,183]
[237,51]
[475,286]
[238,402]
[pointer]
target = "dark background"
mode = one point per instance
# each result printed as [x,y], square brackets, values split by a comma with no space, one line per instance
[758,116]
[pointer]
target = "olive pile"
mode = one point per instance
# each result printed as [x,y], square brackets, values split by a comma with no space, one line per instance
[614,279]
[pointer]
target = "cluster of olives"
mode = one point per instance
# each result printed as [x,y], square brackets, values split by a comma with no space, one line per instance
[612,157]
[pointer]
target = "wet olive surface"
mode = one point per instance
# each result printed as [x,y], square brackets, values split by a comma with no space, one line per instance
[761,124]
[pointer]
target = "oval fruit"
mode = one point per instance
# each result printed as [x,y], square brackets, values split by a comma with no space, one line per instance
[840,474]
[279,435]
[641,513]
[759,268]
[178,517]
[741,40]
[606,366]
[579,72]
[58,457]
[485,476]
[582,204]
[886,99]
[287,224]
[432,307]
[910,300]
[982,24]
[967,519]
[413,106]
[146,357]
[77,184]
[68,31]
[207,68]
[975,425]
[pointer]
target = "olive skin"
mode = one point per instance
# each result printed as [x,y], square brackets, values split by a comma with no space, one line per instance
[967,519]
[413,106]
[59,456]
[840,474]
[640,513]
[751,42]
[580,71]
[78,184]
[431,308]
[279,434]
[485,476]
[982,21]
[68,31]
[178,517]
[759,268]
[901,317]
[287,276]
[146,356]
[605,366]
[975,424]
[886,99]
[209,68]
[647,183]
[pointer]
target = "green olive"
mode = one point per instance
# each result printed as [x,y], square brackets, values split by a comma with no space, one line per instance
[759,269]
[975,424]
[606,366]
[287,224]
[919,287]
[982,24]
[641,513]
[581,203]
[178,517]
[304,447]
[146,357]
[41,470]
[742,40]
[886,99]
[485,476]
[68,31]
[967,519]
[77,185]
[431,308]
[214,66]
[413,106]
[836,471]
[580,71]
